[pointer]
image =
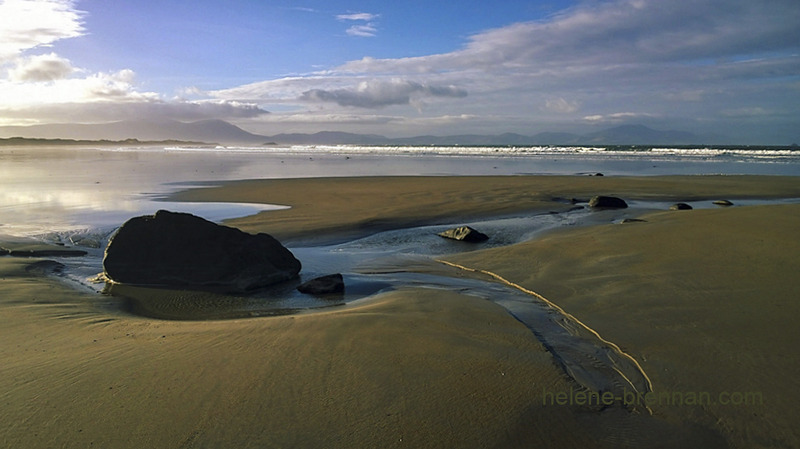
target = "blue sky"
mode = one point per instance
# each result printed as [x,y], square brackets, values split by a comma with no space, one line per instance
[727,67]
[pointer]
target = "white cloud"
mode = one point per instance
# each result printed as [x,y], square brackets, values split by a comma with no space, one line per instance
[361,30]
[617,117]
[28,24]
[102,97]
[365,16]
[616,32]
[48,67]
[47,87]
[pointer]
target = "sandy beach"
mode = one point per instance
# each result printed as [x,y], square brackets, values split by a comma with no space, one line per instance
[704,300]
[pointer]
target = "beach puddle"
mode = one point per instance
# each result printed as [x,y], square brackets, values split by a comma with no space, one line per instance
[195,305]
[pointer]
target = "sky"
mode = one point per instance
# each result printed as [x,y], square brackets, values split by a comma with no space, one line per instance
[724,68]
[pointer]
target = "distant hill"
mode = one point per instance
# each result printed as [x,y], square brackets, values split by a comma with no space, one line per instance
[205,130]
[220,131]
[620,135]
[34,141]
[330,138]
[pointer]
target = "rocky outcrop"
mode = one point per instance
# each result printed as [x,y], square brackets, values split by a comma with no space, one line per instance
[607,202]
[464,234]
[178,249]
[680,206]
[323,285]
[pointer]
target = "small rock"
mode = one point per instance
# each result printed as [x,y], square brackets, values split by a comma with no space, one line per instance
[723,203]
[633,220]
[680,206]
[323,285]
[464,234]
[607,202]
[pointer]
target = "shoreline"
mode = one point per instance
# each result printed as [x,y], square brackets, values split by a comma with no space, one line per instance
[350,207]
[419,366]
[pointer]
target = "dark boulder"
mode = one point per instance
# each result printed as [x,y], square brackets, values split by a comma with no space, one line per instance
[464,234]
[323,285]
[178,249]
[633,220]
[722,203]
[607,202]
[680,206]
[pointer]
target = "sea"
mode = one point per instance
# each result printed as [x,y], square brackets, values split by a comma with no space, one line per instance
[62,189]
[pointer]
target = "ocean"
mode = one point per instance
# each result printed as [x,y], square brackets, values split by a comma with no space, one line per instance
[64,189]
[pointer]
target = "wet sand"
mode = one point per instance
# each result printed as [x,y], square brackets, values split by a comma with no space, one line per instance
[706,300]
[339,208]
[703,299]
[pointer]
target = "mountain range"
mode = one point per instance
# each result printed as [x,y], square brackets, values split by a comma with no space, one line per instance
[219,131]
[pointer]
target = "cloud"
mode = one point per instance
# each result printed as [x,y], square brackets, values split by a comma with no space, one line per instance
[362,30]
[365,16]
[376,94]
[617,117]
[34,92]
[28,24]
[48,67]
[616,32]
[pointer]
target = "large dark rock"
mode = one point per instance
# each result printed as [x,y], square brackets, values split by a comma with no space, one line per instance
[178,249]
[323,285]
[607,202]
[680,206]
[464,234]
